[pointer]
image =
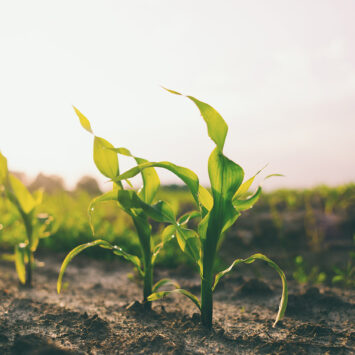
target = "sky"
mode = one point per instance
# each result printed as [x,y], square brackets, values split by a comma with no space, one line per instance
[281,73]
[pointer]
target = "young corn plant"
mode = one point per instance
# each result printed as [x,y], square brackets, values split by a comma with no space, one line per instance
[217,211]
[130,201]
[37,226]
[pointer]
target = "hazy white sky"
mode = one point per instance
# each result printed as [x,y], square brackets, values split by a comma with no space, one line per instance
[281,73]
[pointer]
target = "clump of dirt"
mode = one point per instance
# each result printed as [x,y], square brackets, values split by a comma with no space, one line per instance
[99,313]
[35,344]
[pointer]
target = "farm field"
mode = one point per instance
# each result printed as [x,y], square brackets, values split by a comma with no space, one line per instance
[309,233]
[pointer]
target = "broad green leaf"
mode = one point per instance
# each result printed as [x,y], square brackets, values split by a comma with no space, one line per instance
[186,175]
[20,262]
[216,126]
[226,177]
[85,123]
[108,196]
[3,169]
[159,295]
[105,159]
[189,242]
[75,252]
[205,198]
[23,196]
[251,259]
[164,282]
[151,182]
[242,205]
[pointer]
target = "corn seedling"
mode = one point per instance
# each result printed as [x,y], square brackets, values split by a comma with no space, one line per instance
[217,212]
[36,226]
[135,204]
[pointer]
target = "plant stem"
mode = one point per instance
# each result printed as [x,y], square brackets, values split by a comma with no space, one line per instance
[206,302]
[29,231]
[148,283]
[29,267]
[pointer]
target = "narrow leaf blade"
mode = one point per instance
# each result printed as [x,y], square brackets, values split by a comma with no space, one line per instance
[85,123]
[75,252]
[159,295]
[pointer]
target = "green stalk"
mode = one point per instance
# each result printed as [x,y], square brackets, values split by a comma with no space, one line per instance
[29,253]
[29,267]
[206,301]
[144,235]
[147,282]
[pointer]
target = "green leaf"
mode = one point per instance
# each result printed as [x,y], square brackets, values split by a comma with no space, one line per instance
[108,196]
[20,262]
[186,217]
[216,126]
[251,259]
[3,169]
[271,175]
[242,205]
[129,257]
[189,242]
[38,196]
[168,232]
[167,235]
[164,282]
[338,278]
[186,175]
[244,188]
[159,295]
[75,252]
[160,212]
[151,183]
[205,198]
[150,178]
[226,177]
[105,159]
[83,120]
[23,196]
[122,151]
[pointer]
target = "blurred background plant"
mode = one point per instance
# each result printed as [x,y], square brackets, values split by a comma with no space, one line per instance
[310,231]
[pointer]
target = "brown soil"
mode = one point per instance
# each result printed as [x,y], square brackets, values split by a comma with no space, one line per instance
[95,315]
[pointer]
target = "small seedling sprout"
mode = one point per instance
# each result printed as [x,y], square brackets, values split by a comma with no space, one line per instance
[135,204]
[36,226]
